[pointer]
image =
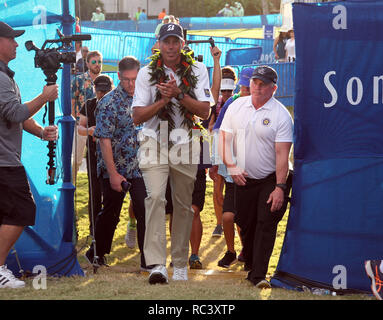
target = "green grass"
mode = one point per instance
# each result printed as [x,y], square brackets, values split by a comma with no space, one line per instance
[123,280]
[109,68]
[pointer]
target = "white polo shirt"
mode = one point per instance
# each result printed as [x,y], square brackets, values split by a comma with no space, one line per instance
[256,132]
[145,93]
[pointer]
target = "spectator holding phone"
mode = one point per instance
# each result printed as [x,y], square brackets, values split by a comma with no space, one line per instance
[117,163]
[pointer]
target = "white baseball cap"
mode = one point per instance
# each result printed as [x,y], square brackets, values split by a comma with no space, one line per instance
[227,84]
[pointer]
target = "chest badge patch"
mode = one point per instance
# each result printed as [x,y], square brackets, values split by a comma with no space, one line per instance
[266,122]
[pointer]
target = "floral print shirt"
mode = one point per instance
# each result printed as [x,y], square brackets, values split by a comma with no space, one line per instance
[114,122]
[82,90]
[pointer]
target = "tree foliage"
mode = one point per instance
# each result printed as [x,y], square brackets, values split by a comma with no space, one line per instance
[187,8]
[209,8]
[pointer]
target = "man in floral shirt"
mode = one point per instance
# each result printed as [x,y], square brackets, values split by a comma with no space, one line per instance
[117,162]
[83,90]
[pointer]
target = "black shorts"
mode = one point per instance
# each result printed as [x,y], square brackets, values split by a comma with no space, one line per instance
[17,206]
[198,193]
[199,189]
[228,200]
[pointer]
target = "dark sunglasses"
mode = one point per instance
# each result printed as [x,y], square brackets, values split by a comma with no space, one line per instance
[226,90]
[95,61]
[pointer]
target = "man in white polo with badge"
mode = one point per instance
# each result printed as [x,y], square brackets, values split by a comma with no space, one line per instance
[170,93]
[255,140]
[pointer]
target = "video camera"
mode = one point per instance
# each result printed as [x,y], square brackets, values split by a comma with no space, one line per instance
[50,60]
[187,42]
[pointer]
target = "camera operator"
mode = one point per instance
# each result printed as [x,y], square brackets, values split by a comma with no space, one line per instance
[17,206]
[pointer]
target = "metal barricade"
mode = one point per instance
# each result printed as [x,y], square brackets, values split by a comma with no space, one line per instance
[286,80]
[138,46]
[116,44]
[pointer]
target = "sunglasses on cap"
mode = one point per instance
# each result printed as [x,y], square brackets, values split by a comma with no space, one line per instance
[96,61]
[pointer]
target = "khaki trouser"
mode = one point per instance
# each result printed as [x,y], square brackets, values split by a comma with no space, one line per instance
[78,148]
[182,176]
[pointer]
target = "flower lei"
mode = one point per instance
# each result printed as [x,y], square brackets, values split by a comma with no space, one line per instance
[188,84]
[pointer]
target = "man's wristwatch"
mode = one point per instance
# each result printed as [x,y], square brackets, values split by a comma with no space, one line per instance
[283,186]
[180,96]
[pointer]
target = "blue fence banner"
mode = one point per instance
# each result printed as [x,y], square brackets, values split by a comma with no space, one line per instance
[189,23]
[247,55]
[286,79]
[268,32]
[336,215]
[115,44]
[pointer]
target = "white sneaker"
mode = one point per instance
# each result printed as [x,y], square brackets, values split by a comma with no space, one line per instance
[158,274]
[8,280]
[180,274]
[263,284]
[130,237]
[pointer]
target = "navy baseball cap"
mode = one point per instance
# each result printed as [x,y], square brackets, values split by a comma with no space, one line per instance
[6,31]
[266,74]
[103,83]
[245,76]
[171,29]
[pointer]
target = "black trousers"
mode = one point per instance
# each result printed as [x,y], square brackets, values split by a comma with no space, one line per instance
[258,224]
[94,185]
[109,217]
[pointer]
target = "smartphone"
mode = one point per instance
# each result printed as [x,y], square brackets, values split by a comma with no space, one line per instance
[125,186]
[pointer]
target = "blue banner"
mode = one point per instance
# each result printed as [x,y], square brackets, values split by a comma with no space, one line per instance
[339,80]
[337,209]
[268,32]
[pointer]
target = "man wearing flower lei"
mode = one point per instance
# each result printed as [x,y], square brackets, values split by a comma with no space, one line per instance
[171,93]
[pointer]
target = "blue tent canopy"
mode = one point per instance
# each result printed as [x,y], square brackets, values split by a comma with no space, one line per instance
[50,242]
[336,214]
